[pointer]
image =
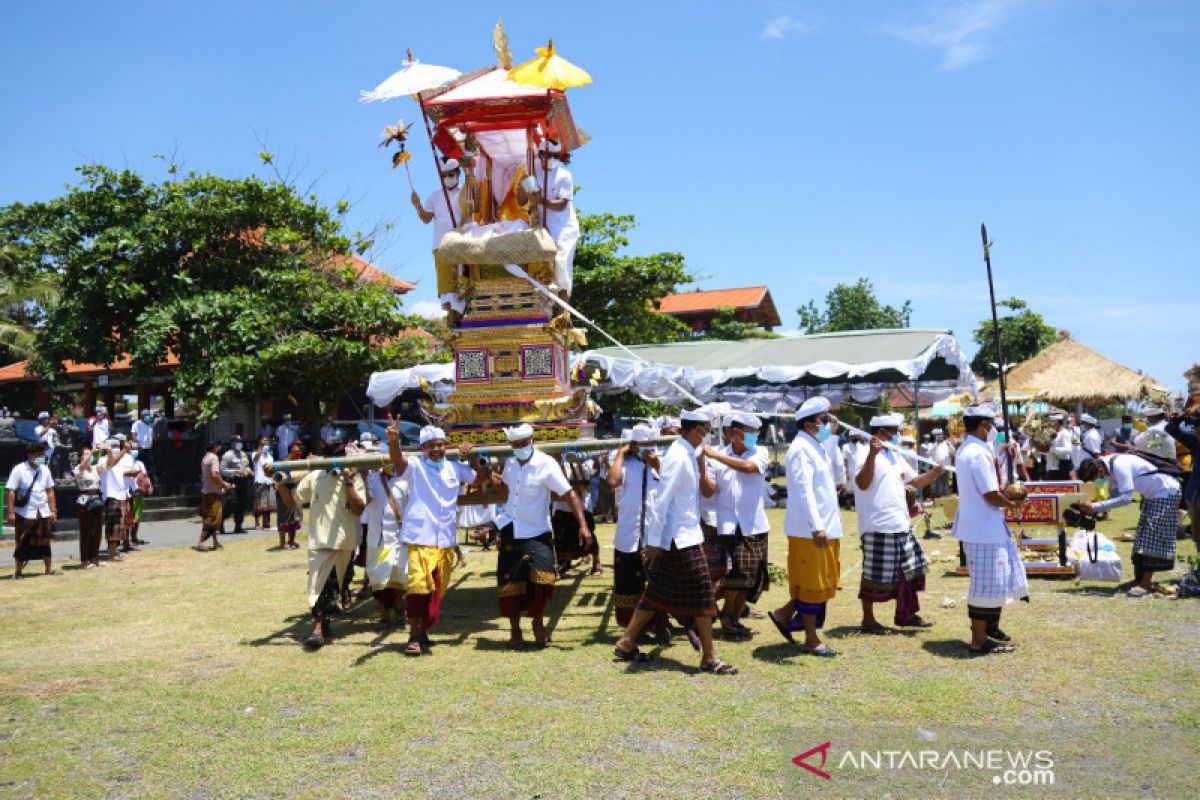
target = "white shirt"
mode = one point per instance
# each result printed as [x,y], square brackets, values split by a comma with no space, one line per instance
[674,515]
[143,434]
[112,482]
[286,434]
[836,463]
[629,503]
[24,476]
[941,453]
[1093,443]
[431,515]
[812,493]
[978,520]
[740,495]
[530,486]
[883,507]
[261,464]
[1062,447]
[435,204]
[100,431]
[560,186]
[1129,473]
[381,517]
[131,480]
[578,472]
[48,436]
[1157,440]
[708,505]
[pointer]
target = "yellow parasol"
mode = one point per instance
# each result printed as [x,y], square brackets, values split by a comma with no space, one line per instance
[549,71]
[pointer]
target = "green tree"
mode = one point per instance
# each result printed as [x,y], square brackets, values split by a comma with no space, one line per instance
[853,307]
[620,292]
[24,300]
[725,326]
[1023,334]
[244,280]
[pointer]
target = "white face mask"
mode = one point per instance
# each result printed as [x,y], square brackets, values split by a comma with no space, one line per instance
[552,163]
[450,181]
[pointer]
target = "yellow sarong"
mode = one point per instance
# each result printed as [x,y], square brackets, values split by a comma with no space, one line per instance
[813,571]
[423,560]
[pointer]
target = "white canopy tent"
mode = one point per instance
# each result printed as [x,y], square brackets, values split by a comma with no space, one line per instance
[765,375]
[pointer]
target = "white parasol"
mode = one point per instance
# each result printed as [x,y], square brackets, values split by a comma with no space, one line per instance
[412,77]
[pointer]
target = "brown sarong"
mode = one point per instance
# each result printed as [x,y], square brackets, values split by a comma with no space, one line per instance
[264,498]
[678,583]
[32,538]
[212,510]
[714,551]
[746,556]
[114,520]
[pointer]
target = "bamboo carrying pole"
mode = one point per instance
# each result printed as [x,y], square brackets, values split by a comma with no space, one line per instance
[1008,431]
[282,469]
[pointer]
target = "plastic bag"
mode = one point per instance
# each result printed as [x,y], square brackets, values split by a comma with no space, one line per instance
[1094,556]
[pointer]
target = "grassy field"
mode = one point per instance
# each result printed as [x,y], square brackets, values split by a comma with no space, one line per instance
[179,675]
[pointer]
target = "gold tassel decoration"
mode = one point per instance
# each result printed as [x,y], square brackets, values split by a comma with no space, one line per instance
[500,42]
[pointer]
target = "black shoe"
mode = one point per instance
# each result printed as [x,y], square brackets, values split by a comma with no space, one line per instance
[932,535]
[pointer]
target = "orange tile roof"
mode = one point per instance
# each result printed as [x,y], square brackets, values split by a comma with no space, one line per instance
[20,371]
[367,271]
[711,299]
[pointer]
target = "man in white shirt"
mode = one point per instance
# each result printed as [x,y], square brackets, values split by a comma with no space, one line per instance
[813,524]
[997,571]
[143,436]
[114,488]
[1061,449]
[335,498]
[941,454]
[444,218]
[33,519]
[47,433]
[677,571]
[101,428]
[287,433]
[742,525]
[429,529]
[525,568]
[569,545]
[387,556]
[1092,441]
[561,222]
[1155,438]
[894,566]
[1158,522]
[633,477]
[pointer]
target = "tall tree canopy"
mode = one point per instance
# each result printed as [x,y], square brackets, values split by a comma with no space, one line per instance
[620,292]
[852,307]
[245,281]
[1023,334]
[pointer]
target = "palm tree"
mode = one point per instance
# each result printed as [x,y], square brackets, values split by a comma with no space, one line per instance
[17,300]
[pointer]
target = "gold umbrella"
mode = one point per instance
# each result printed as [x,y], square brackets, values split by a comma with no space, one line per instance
[549,71]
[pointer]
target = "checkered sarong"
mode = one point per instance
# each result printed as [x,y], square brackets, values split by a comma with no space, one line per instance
[997,574]
[114,520]
[678,583]
[746,554]
[1156,529]
[886,554]
[714,552]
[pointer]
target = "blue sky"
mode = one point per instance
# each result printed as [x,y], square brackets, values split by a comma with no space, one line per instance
[796,144]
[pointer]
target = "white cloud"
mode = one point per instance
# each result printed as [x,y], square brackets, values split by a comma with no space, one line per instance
[785,25]
[428,309]
[965,31]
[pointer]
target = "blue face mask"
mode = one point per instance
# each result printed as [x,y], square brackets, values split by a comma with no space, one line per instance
[523,453]
[133,453]
[145,417]
[1001,437]
[39,460]
[237,446]
[895,440]
[435,464]
[750,440]
[825,431]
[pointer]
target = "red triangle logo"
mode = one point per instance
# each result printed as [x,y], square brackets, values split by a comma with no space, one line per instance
[823,749]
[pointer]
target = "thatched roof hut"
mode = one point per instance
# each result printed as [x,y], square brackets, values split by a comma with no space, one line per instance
[1068,372]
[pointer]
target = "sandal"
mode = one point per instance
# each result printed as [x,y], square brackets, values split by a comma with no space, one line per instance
[779,626]
[719,667]
[634,656]
[1138,591]
[413,648]
[824,651]
[314,641]
[990,647]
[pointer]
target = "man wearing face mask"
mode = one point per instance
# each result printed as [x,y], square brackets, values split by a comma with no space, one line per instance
[559,202]
[143,436]
[742,525]
[1155,438]
[677,580]
[894,566]
[997,571]
[335,497]
[633,477]
[444,218]
[236,470]
[1124,434]
[813,524]
[525,568]
[32,509]
[429,529]
[1092,440]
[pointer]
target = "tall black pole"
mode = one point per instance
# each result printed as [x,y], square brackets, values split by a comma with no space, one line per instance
[1008,431]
